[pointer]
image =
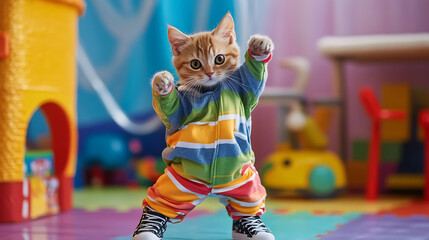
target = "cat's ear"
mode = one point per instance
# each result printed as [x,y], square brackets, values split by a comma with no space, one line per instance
[225,29]
[177,39]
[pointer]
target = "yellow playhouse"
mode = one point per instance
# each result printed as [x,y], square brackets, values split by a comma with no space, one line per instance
[37,71]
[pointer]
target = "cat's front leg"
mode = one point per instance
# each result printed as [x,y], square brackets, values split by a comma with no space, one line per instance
[163,82]
[260,45]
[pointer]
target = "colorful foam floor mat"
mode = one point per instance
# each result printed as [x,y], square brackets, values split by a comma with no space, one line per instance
[112,214]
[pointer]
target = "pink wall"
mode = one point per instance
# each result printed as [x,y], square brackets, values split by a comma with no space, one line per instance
[295,27]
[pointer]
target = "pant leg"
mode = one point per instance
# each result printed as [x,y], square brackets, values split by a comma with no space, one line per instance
[174,196]
[244,196]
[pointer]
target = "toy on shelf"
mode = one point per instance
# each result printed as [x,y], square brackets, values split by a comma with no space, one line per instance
[149,169]
[410,173]
[306,130]
[284,97]
[396,96]
[377,115]
[424,121]
[39,170]
[401,150]
[357,167]
[105,156]
[37,71]
[302,164]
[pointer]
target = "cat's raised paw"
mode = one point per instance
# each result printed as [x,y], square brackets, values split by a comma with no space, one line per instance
[260,45]
[163,82]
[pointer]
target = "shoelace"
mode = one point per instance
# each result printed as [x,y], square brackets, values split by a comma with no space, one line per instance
[151,222]
[254,224]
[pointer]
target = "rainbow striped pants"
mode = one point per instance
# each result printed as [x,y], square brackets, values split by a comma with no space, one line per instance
[175,196]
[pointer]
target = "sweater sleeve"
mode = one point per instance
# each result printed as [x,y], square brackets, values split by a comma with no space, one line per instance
[253,75]
[169,108]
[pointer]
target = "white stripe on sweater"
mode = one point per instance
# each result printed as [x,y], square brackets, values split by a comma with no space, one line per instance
[205,145]
[226,189]
[239,119]
[182,188]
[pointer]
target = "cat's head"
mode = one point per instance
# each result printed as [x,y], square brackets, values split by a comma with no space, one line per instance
[206,58]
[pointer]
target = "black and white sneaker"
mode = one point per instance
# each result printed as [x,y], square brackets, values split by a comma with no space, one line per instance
[152,225]
[251,227]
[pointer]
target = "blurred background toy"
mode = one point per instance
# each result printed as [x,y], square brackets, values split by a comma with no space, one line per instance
[302,164]
[308,169]
[424,121]
[401,150]
[377,115]
[308,173]
[148,169]
[395,145]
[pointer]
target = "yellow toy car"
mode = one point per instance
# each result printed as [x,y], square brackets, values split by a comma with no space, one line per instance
[309,173]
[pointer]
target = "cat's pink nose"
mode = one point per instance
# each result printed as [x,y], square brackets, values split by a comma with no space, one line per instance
[209,74]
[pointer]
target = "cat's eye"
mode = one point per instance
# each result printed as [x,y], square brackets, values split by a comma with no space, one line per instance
[219,59]
[195,64]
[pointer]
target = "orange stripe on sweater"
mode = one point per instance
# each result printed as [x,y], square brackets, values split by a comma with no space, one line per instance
[205,134]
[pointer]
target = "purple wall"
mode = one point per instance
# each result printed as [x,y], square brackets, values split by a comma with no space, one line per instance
[295,27]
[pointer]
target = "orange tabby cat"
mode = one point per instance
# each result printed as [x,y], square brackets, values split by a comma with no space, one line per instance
[197,62]
[207,116]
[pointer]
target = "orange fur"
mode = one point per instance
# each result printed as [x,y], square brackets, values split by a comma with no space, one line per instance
[204,47]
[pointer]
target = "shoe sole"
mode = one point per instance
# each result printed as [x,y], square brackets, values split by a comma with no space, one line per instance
[260,236]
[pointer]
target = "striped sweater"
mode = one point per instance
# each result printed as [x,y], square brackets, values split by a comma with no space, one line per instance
[208,136]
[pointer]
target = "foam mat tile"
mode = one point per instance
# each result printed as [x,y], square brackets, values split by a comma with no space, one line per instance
[340,205]
[296,226]
[383,227]
[414,208]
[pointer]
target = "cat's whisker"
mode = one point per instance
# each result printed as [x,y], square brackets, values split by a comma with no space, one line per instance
[190,88]
[231,86]
[240,84]
[236,83]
